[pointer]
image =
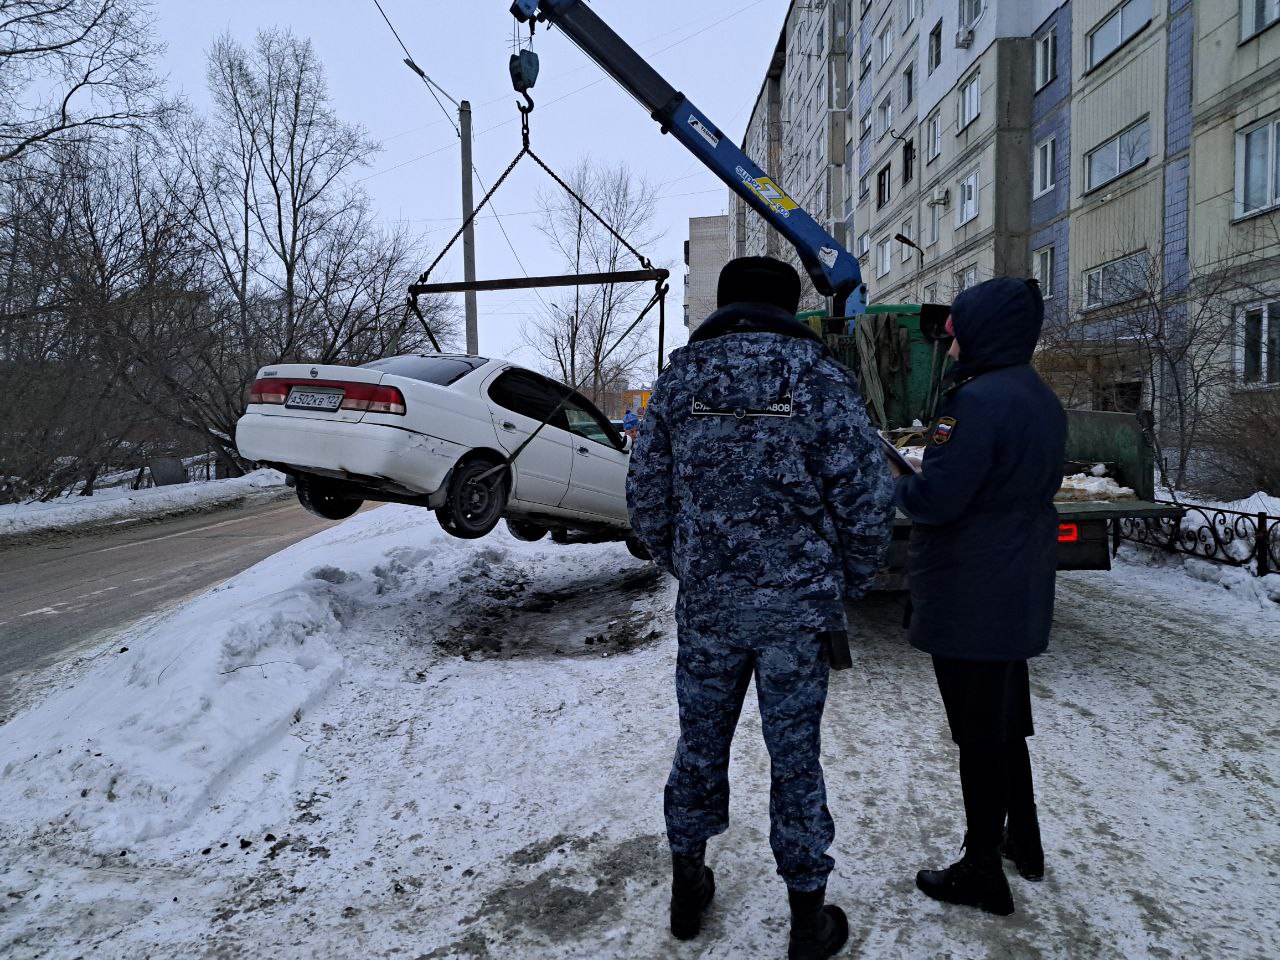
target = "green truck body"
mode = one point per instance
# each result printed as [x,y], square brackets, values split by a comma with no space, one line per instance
[901,373]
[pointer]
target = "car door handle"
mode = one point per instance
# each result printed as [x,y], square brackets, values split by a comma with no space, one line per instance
[584,452]
[508,425]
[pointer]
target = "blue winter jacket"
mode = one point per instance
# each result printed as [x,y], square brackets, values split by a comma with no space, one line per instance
[756,479]
[983,552]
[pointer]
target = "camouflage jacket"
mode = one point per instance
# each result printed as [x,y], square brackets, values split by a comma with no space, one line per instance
[756,479]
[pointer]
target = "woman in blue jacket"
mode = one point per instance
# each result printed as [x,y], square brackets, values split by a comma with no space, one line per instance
[982,562]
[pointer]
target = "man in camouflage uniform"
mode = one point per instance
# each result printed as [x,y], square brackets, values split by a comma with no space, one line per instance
[758,484]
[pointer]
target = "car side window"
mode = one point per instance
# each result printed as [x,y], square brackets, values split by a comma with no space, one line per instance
[528,395]
[587,423]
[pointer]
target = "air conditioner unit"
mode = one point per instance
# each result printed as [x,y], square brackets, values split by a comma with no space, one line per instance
[964,38]
[941,197]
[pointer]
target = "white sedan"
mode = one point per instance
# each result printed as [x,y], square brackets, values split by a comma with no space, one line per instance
[440,431]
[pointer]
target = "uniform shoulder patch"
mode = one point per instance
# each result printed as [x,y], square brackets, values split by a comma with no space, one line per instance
[943,429]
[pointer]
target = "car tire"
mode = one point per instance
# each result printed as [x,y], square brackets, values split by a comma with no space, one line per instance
[526,531]
[325,502]
[473,507]
[637,550]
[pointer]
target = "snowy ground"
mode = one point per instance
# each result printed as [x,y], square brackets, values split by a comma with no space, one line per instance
[119,504]
[386,743]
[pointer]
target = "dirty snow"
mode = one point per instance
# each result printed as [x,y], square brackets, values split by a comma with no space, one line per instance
[122,505]
[454,749]
[1092,486]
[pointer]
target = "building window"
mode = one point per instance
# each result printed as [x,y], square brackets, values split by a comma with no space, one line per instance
[1115,282]
[1046,161]
[907,229]
[933,137]
[1042,264]
[908,85]
[865,126]
[1118,155]
[1258,168]
[970,11]
[884,116]
[935,47]
[931,293]
[910,14]
[863,189]
[1260,345]
[864,244]
[884,257]
[886,42]
[1113,32]
[884,187]
[865,66]
[908,161]
[966,278]
[1047,58]
[967,208]
[969,104]
[1256,16]
[935,218]
[820,42]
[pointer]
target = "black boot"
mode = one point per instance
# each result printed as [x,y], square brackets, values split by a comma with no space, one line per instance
[1022,845]
[976,881]
[692,887]
[817,931]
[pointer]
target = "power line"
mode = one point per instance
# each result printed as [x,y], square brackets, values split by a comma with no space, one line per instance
[412,64]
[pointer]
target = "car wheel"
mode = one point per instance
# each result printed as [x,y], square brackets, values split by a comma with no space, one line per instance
[637,549]
[325,502]
[526,531]
[473,506]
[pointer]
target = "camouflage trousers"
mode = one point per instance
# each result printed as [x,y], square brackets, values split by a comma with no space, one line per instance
[713,671]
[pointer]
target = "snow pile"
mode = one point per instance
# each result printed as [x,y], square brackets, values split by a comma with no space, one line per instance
[140,745]
[1082,486]
[120,504]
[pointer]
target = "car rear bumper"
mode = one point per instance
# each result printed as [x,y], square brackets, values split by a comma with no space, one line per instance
[358,450]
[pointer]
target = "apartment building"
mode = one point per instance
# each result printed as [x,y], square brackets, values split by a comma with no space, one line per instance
[705,254]
[797,131]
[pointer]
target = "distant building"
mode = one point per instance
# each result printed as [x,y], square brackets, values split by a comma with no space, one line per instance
[705,254]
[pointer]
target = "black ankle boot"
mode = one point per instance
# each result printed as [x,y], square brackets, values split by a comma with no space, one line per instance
[692,887]
[976,881]
[1022,846]
[817,931]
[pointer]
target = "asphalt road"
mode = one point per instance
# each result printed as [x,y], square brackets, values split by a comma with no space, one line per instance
[60,598]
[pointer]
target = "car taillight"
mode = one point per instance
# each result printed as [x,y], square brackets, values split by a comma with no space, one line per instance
[1068,533]
[369,398]
[268,391]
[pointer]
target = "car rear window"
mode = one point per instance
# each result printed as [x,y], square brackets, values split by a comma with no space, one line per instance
[438,370]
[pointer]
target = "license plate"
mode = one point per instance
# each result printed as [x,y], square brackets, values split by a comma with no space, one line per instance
[304,399]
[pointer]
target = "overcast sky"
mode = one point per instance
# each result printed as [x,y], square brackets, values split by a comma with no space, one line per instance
[715,51]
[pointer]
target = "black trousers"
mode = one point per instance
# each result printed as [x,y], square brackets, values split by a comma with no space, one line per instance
[988,707]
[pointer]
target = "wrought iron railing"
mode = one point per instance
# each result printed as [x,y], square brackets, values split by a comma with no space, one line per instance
[1250,540]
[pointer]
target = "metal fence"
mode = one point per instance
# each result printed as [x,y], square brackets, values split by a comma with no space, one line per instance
[1249,540]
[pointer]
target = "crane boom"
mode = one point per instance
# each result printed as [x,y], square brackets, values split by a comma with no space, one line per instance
[833,269]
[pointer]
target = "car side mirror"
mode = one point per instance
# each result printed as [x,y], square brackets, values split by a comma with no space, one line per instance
[626,444]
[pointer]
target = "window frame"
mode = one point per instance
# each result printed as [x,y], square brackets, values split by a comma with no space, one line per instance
[1040,188]
[884,186]
[1272,165]
[1089,304]
[970,24]
[576,403]
[864,242]
[1046,66]
[884,42]
[1247,33]
[974,80]
[1268,377]
[962,281]
[1049,250]
[934,45]
[935,224]
[908,160]
[961,185]
[909,84]
[1092,62]
[1089,186]
[884,257]
[884,115]
[933,134]
[908,227]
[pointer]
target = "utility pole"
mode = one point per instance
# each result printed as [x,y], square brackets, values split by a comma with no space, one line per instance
[469,233]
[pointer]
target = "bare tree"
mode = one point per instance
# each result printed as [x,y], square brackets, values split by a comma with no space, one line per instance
[71,69]
[580,335]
